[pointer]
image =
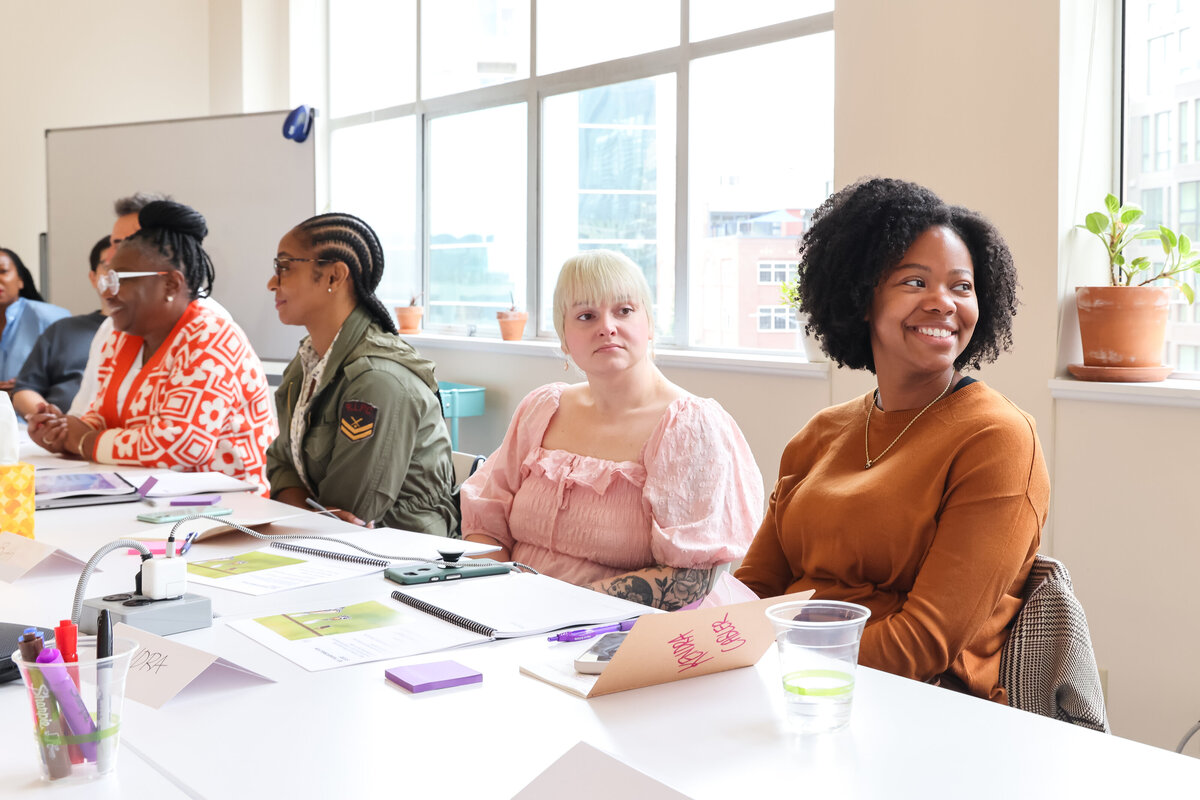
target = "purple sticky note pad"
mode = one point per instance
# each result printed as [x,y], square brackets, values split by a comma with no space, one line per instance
[197,500]
[434,675]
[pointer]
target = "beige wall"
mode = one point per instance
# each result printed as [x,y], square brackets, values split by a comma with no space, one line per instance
[983,101]
[74,63]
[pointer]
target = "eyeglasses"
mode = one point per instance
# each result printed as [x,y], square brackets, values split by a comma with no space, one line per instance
[282,265]
[109,281]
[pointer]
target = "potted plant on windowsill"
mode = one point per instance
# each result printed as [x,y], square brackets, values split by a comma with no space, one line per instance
[1123,325]
[409,316]
[512,321]
[789,293]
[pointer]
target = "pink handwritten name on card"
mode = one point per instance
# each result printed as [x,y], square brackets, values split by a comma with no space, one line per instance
[685,644]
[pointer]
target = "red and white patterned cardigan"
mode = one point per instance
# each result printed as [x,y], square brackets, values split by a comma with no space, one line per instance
[200,404]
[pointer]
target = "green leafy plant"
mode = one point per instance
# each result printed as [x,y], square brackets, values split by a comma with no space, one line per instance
[789,293]
[1117,227]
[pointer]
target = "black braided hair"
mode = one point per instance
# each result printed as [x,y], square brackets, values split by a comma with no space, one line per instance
[346,238]
[28,291]
[175,231]
[860,233]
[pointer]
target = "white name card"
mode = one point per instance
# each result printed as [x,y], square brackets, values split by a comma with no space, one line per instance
[19,555]
[161,669]
[584,772]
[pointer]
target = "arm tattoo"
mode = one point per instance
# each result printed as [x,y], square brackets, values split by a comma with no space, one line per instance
[674,590]
[683,586]
[633,588]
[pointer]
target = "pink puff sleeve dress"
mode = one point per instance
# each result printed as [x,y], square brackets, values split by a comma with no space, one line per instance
[694,497]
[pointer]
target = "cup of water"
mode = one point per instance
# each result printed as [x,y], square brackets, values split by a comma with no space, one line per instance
[818,656]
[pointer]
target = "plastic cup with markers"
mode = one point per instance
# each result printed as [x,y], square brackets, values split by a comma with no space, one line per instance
[75,706]
[818,657]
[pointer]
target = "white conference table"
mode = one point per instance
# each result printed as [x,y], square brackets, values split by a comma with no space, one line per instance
[348,732]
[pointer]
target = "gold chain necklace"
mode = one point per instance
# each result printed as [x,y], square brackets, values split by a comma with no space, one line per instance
[867,431]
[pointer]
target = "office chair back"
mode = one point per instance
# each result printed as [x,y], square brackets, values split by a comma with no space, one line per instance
[1048,666]
[465,465]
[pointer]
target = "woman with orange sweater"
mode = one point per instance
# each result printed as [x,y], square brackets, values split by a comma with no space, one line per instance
[923,500]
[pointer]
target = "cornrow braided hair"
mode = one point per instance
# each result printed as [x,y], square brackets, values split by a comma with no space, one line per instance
[175,231]
[346,238]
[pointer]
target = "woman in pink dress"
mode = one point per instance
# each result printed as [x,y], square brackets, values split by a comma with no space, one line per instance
[625,483]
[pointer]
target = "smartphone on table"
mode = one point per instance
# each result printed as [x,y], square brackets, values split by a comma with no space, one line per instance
[178,513]
[593,660]
[431,573]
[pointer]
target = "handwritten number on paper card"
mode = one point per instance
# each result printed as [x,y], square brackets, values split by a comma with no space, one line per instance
[147,660]
[727,635]
[687,655]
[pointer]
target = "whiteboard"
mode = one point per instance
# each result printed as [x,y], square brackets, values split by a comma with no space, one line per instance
[251,184]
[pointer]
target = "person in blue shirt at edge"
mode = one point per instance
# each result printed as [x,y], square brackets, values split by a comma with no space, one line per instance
[360,422]
[25,316]
[54,368]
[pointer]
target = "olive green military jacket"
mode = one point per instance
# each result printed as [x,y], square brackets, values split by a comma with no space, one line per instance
[376,443]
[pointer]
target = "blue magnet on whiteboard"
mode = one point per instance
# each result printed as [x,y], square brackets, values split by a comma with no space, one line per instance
[298,124]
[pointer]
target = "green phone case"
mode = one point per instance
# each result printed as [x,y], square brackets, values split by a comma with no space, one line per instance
[431,573]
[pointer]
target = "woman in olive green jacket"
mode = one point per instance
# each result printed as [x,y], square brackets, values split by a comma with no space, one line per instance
[360,423]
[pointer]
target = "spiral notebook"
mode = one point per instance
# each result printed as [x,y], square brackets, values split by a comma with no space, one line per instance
[517,604]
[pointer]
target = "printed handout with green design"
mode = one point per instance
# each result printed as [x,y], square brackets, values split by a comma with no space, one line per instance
[240,564]
[331,621]
[268,570]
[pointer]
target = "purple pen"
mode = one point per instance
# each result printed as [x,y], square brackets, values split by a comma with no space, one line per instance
[69,702]
[580,634]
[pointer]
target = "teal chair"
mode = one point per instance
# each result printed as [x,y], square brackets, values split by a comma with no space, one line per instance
[459,400]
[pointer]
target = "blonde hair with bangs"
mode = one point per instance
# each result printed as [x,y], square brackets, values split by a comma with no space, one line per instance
[594,277]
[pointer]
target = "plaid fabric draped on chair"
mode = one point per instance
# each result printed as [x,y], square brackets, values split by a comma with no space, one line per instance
[1048,665]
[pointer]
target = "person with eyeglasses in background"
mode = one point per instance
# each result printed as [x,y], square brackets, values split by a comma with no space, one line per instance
[361,425]
[23,316]
[199,401]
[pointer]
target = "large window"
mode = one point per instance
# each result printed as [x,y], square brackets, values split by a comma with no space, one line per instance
[487,148]
[1162,111]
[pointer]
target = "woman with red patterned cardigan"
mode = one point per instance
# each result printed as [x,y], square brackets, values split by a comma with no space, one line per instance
[200,401]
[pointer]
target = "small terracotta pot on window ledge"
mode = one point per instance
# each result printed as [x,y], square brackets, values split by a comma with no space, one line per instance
[512,324]
[409,318]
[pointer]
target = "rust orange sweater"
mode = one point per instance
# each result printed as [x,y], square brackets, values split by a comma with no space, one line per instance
[936,538]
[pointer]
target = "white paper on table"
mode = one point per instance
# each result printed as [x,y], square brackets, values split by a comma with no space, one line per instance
[169,483]
[272,570]
[356,633]
[586,773]
[160,668]
[20,555]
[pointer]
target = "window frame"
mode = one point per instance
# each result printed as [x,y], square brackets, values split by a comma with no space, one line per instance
[533,91]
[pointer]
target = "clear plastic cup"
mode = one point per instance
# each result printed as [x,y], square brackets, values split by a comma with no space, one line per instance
[76,710]
[818,656]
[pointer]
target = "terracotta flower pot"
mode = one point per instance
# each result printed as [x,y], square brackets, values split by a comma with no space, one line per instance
[1122,326]
[409,318]
[512,324]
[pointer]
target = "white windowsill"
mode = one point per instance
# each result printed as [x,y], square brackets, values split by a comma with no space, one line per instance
[745,362]
[1171,392]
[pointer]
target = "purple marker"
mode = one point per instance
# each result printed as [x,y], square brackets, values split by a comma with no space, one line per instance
[580,634]
[69,702]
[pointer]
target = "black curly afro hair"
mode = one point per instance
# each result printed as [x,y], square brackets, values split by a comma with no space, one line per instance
[860,233]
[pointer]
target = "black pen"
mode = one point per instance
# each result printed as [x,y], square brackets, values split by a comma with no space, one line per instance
[104,651]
